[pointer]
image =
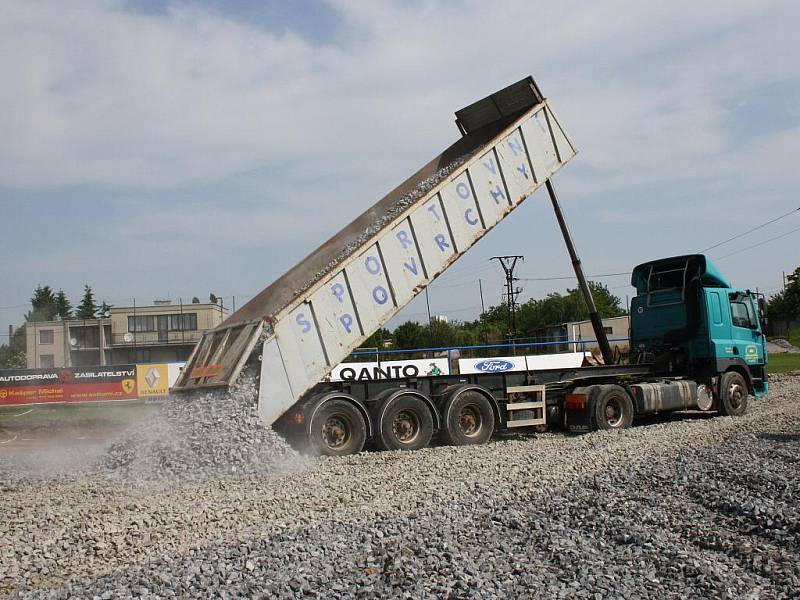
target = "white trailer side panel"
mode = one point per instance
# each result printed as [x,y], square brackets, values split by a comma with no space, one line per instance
[318,332]
[463,214]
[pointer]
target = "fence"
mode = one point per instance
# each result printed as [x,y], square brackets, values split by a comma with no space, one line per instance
[779,327]
[486,350]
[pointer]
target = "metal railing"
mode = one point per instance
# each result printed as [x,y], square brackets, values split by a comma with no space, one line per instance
[491,348]
[153,338]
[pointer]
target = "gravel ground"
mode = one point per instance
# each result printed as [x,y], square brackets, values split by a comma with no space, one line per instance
[682,507]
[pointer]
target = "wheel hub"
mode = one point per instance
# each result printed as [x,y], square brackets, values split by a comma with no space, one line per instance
[405,426]
[736,395]
[335,432]
[614,412]
[470,421]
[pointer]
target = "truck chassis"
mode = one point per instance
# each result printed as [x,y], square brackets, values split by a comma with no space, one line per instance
[339,418]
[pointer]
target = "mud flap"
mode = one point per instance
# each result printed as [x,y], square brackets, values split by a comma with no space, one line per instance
[579,409]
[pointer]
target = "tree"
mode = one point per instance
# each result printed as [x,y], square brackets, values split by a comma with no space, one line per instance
[378,339]
[195,300]
[104,309]
[556,308]
[441,333]
[11,358]
[410,335]
[43,305]
[87,309]
[63,306]
[12,355]
[786,303]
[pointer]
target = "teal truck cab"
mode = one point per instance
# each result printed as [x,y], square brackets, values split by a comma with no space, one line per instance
[697,343]
[689,320]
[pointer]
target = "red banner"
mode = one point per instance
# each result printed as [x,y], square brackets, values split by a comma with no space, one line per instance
[75,384]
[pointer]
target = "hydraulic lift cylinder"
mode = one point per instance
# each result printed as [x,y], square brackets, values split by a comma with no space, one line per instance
[597,324]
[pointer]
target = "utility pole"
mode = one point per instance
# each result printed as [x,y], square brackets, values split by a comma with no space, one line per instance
[481,331]
[428,306]
[509,263]
[430,321]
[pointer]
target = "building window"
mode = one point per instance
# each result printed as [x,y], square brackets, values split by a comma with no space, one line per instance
[47,361]
[608,329]
[141,324]
[142,355]
[45,336]
[184,322]
[85,337]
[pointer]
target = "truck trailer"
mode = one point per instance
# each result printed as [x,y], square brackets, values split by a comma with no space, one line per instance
[696,342]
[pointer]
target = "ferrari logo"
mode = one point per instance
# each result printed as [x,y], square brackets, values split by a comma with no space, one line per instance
[128,385]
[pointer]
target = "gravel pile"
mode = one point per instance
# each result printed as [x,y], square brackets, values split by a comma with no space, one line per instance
[781,346]
[685,506]
[200,435]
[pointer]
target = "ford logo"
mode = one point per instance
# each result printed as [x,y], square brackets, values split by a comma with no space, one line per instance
[494,366]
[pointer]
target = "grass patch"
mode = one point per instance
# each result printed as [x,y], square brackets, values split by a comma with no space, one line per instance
[783,363]
[794,337]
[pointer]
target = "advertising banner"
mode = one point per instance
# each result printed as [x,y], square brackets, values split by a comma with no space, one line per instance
[533,362]
[75,384]
[152,380]
[390,369]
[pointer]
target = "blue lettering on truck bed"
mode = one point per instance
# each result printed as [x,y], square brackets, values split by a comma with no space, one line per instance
[515,146]
[303,322]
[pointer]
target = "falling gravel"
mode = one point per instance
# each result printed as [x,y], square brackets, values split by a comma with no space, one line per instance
[200,435]
[688,506]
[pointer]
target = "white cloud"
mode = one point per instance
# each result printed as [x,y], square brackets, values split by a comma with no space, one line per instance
[97,95]
[266,139]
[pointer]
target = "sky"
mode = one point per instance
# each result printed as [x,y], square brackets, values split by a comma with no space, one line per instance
[157,149]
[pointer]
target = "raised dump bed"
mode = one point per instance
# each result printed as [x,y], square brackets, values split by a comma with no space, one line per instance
[317,313]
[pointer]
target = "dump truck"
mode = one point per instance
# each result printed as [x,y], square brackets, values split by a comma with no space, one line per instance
[696,342]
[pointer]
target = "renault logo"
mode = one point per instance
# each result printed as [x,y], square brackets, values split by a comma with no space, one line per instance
[152,377]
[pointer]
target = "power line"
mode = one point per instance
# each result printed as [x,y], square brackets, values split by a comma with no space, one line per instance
[791,212]
[772,239]
[568,277]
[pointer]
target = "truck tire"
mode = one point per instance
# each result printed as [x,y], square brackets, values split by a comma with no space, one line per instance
[468,419]
[404,423]
[613,408]
[337,428]
[733,394]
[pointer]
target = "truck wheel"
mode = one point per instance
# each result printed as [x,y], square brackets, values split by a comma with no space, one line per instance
[337,428]
[733,394]
[406,423]
[613,408]
[469,419]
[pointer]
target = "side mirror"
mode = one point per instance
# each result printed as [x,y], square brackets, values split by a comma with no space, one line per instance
[762,311]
